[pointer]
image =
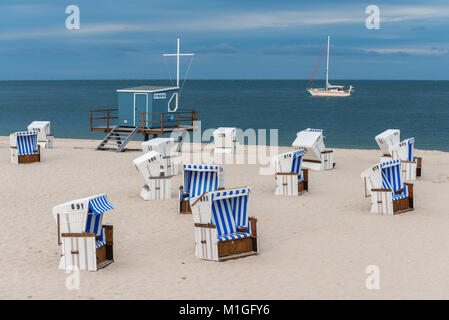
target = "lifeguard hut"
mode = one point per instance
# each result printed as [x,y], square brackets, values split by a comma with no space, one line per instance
[149,110]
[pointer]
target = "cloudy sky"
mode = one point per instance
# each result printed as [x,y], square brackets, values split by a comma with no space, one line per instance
[231,39]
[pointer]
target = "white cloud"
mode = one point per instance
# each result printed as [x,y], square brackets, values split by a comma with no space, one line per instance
[412,51]
[227,21]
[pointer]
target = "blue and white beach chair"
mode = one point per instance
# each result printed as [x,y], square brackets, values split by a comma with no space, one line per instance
[392,149]
[389,194]
[411,165]
[316,157]
[291,179]
[157,184]
[223,228]
[198,179]
[24,147]
[85,242]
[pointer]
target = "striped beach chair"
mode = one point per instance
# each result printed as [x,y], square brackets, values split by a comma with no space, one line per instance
[291,179]
[86,243]
[223,228]
[385,184]
[198,179]
[157,185]
[411,165]
[24,147]
[316,157]
[392,148]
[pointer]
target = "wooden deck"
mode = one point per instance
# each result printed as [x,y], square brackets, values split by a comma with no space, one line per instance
[106,120]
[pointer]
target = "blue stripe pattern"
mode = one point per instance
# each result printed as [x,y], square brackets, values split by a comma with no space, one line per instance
[411,145]
[93,223]
[232,236]
[391,179]
[27,143]
[229,212]
[102,240]
[296,164]
[239,208]
[222,217]
[100,205]
[199,179]
[314,130]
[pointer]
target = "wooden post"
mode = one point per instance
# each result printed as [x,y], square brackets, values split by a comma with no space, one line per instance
[59,231]
[162,123]
[107,119]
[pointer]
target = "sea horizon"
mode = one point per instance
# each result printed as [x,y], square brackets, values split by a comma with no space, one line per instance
[417,107]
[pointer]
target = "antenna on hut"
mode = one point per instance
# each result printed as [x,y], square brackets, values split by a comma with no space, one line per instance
[177,55]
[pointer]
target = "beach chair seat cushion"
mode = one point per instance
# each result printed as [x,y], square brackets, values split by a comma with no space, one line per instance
[402,195]
[233,236]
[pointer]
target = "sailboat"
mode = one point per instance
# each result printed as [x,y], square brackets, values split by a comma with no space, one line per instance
[330,90]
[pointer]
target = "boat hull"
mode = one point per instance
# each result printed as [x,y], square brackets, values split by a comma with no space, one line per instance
[324,93]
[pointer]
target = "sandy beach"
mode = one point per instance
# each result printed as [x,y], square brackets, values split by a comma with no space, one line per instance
[315,246]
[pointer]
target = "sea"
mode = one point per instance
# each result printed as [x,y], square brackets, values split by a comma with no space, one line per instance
[420,109]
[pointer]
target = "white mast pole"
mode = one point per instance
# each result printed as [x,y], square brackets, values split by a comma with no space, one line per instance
[177,65]
[327,64]
[178,54]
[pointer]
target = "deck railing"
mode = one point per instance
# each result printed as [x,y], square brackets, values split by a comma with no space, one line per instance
[168,120]
[107,115]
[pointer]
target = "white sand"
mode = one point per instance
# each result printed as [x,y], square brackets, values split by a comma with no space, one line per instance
[313,246]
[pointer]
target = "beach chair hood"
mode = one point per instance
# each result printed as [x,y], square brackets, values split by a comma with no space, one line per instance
[311,140]
[161,145]
[226,209]
[288,162]
[199,178]
[82,215]
[149,165]
[403,150]
[387,139]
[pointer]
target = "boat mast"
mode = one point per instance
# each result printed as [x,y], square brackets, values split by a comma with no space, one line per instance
[327,64]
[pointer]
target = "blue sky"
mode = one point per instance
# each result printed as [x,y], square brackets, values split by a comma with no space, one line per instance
[231,39]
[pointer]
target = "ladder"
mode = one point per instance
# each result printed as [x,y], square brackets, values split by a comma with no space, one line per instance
[117,138]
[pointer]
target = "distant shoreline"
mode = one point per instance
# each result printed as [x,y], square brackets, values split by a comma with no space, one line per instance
[204,143]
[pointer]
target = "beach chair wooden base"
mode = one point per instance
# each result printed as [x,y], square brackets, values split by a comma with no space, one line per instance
[184,207]
[159,189]
[382,201]
[326,162]
[17,159]
[79,251]
[29,158]
[288,185]
[208,248]
[48,143]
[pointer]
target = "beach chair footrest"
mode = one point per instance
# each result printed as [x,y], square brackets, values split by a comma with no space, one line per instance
[237,256]
[104,263]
